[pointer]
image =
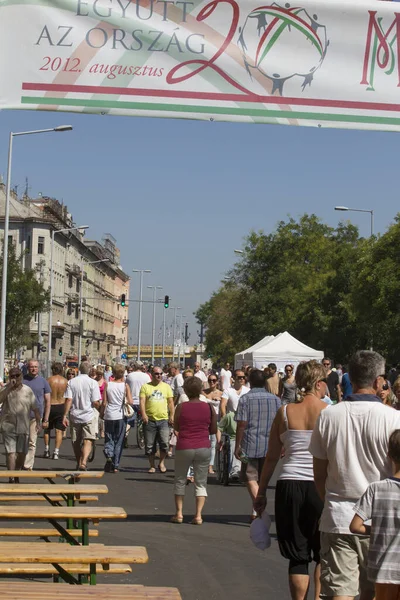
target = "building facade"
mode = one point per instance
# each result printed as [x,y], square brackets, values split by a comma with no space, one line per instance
[88,281]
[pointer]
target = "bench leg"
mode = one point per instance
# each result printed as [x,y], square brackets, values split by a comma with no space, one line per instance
[67,577]
[92,575]
[85,532]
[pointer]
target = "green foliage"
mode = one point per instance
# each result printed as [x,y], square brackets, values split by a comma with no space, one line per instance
[25,297]
[328,287]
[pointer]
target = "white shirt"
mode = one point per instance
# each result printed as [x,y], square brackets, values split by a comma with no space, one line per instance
[83,391]
[184,398]
[226,378]
[201,375]
[115,401]
[135,381]
[177,382]
[353,436]
[233,397]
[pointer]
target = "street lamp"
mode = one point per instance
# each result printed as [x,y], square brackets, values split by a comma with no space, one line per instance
[153,333]
[93,262]
[180,340]
[53,233]
[175,309]
[364,210]
[141,271]
[5,241]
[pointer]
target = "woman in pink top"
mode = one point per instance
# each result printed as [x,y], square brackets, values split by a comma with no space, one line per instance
[194,422]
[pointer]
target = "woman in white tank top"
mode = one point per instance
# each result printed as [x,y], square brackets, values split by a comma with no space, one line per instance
[114,396]
[297,504]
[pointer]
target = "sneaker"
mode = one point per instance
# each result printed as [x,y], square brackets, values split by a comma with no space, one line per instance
[108,467]
[56,456]
[46,454]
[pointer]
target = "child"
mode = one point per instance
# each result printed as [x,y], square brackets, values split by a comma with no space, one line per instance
[381,504]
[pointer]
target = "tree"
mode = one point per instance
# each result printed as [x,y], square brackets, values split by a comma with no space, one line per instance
[375,295]
[296,279]
[25,297]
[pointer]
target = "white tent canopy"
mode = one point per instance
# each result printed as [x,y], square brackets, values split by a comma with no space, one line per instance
[282,349]
[245,357]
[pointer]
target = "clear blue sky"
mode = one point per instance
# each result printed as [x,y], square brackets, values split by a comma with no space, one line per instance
[179,195]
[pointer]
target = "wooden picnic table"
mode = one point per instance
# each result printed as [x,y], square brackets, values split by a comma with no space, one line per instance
[28,590]
[68,493]
[53,514]
[63,554]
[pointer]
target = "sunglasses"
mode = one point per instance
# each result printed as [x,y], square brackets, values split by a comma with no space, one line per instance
[158,374]
[240,377]
[385,386]
[326,364]
[288,370]
[212,380]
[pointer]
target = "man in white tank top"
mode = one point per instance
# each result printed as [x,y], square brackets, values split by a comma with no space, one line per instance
[350,445]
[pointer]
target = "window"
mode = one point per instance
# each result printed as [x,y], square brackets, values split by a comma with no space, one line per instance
[76,312]
[72,340]
[78,285]
[28,244]
[108,347]
[70,280]
[10,240]
[69,308]
[98,345]
[36,317]
[40,248]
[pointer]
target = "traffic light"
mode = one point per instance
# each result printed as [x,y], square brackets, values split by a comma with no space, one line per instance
[123,299]
[166,302]
[60,352]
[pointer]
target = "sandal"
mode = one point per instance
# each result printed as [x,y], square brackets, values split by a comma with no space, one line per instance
[162,470]
[151,470]
[196,522]
[178,520]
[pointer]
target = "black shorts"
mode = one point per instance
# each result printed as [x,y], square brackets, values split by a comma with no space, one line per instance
[298,509]
[56,417]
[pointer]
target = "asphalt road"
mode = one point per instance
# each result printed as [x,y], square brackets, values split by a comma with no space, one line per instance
[215,560]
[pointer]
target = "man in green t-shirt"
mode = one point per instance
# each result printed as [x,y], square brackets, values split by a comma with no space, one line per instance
[157,408]
[228,425]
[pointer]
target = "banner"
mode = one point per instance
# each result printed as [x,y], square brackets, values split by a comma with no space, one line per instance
[324,64]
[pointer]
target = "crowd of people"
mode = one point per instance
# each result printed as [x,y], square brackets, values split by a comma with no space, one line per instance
[331,433]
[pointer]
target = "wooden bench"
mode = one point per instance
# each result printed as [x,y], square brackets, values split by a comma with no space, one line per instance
[53,493]
[32,569]
[49,591]
[60,556]
[43,532]
[53,514]
[71,476]
[55,500]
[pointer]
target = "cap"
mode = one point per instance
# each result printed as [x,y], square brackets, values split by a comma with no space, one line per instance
[138,363]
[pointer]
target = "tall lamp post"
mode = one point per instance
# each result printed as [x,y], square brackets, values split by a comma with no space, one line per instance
[5,241]
[141,271]
[363,210]
[93,262]
[50,335]
[175,309]
[180,340]
[153,331]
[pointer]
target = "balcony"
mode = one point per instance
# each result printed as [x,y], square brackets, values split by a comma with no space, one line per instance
[57,331]
[111,338]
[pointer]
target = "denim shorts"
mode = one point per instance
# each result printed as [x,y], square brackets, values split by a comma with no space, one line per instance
[156,432]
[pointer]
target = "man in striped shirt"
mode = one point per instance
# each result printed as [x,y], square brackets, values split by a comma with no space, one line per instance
[255,414]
